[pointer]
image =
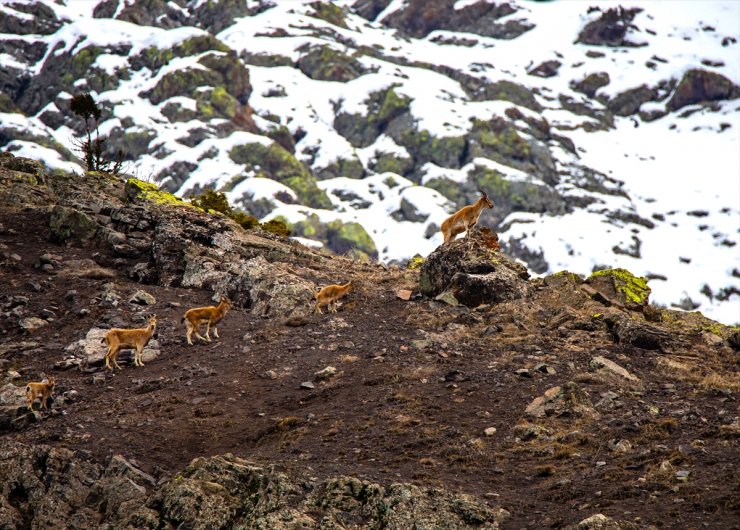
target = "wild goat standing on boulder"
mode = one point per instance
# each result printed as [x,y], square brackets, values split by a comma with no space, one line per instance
[330,294]
[135,339]
[211,316]
[465,219]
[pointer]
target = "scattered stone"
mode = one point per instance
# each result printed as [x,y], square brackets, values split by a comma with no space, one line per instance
[448,298]
[34,285]
[307,385]
[596,522]
[523,372]
[545,369]
[602,363]
[489,431]
[141,297]
[683,475]
[455,375]
[12,375]
[98,379]
[32,324]
[269,374]
[566,400]
[66,364]
[404,294]
[326,373]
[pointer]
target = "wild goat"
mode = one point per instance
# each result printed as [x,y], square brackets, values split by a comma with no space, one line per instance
[134,339]
[330,294]
[211,316]
[465,219]
[43,390]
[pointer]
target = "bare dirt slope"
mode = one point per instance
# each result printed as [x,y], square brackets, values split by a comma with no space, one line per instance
[423,392]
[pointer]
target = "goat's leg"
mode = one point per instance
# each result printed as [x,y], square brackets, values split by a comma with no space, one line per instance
[215,332]
[114,358]
[189,332]
[107,358]
[208,331]
[318,309]
[201,337]
[139,355]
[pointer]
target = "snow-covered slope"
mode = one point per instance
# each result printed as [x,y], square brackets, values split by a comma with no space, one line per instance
[621,150]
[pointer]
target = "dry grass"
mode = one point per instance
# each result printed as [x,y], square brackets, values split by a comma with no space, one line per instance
[721,382]
[698,375]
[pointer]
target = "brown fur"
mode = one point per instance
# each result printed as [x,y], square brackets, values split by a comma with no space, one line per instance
[43,390]
[330,294]
[465,219]
[135,339]
[211,316]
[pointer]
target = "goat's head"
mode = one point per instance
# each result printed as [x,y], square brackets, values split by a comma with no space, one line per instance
[485,198]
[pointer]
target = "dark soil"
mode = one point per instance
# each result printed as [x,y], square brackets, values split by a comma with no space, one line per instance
[417,384]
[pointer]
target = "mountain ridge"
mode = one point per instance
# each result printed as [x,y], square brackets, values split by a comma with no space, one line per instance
[389,126]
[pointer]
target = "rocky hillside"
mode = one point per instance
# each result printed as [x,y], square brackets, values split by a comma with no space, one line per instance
[456,393]
[605,136]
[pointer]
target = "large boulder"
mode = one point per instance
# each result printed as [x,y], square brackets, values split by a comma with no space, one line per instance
[620,287]
[472,272]
[229,492]
[610,29]
[69,224]
[698,86]
[418,18]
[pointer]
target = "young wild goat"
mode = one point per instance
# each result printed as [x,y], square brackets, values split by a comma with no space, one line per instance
[211,316]
[42,390]
[465,219]
[134,339]
[330,294]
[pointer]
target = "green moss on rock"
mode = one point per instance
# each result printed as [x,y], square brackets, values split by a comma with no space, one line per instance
[324,63]
[339,237]
[277,163]
[138,189]
[630,290]
[444,151]
[216,103]
[361,130]
[331,13]
[415,262]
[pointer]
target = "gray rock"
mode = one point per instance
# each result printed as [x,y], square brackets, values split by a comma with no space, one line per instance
[602,363]
[32,324]
[68,224]
[473,273]
[326,373]
[141,297]
[566,400]
[308,385]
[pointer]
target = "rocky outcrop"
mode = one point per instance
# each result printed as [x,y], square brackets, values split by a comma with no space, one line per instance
[324,63]
[620,287]
[44,487]
[473,273]
[166,241]
[698,86]
[610,29]
[418,18]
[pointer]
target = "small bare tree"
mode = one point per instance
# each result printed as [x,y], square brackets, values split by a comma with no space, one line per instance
[92,150]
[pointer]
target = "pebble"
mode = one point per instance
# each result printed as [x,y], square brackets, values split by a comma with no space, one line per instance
[490,431]
[307,385]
